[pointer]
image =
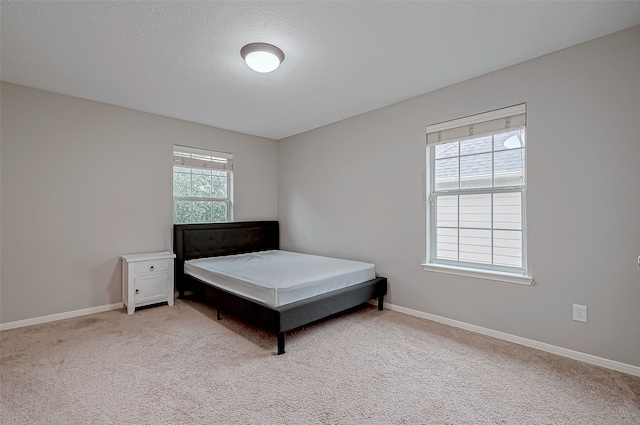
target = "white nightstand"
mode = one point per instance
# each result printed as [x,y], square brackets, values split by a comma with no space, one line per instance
[147,279]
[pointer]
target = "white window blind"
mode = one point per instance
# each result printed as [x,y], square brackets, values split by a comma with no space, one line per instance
[506,119]
[184,156]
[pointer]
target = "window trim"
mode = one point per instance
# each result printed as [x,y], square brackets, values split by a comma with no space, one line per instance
[436,131]
[479,273]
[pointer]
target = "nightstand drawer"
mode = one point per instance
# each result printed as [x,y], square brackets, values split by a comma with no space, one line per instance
[151,266]
[151,287]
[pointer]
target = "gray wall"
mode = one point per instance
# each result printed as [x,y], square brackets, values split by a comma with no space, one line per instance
[354,189]
[84,182]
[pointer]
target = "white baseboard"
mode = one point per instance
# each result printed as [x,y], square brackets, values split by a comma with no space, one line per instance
[59,316]
[576,355]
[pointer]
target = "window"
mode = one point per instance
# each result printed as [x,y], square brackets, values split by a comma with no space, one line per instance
[201,186]
[476,183]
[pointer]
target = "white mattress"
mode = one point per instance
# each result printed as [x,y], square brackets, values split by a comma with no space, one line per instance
[276,278]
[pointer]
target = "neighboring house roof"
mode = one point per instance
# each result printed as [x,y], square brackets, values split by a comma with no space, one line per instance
[475,158]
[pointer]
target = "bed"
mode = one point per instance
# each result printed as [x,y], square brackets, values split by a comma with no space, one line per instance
[280,314]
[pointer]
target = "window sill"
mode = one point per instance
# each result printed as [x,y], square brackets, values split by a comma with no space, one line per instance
[480,274]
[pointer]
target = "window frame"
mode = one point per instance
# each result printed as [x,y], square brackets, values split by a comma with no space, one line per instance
[218,161]
[520,275]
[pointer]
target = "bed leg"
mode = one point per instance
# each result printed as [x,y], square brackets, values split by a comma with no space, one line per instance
[218,314]
[280,343]
[380,302]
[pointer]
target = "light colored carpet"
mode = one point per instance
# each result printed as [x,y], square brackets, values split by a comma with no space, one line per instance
[178,365]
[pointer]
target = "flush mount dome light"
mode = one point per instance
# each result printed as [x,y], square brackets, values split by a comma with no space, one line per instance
[262,57]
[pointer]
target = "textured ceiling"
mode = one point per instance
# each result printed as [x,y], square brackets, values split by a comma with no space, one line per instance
[182,59]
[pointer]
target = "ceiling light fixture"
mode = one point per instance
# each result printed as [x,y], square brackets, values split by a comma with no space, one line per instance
[262,57]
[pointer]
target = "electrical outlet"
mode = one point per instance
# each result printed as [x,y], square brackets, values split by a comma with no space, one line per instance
[580,313]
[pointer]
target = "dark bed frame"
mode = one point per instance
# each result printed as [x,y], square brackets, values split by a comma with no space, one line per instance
[192,241]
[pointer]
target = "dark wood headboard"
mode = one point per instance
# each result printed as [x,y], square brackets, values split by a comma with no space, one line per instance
[216,239]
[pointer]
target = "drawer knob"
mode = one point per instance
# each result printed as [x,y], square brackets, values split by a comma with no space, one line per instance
[151,268]
[137,291]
